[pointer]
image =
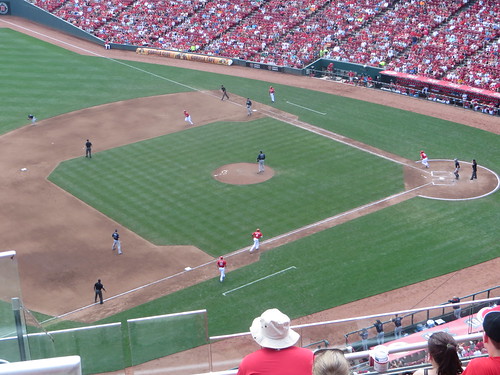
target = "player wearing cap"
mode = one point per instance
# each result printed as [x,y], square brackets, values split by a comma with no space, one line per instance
[256,236]
[187,117]
[424,159]
[221,263]
[271,93]
[491,325]
[278,355]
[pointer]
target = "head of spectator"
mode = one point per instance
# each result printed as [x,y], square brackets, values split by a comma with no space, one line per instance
[278,354]
[443,353]
[491,327]
[330,362]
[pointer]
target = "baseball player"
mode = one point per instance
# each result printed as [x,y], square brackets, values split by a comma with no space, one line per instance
[224,92]
[187,117]
[271,93]
[457,169]
[116,242]
[260,159]
[32,118]
[424,159]
[256,236]
[221,263]
[88,149]
[249,107]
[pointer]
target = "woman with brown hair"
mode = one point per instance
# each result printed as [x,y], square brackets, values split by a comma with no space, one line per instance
[443,356]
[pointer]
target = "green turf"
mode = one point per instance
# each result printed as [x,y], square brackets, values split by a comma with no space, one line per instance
[167,194]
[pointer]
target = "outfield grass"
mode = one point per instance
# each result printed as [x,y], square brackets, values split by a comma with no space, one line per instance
[397,246]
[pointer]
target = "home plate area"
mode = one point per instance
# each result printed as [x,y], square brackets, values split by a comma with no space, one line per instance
[445,178]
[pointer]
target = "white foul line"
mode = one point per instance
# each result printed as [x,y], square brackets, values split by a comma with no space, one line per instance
[256,281]
[307,109]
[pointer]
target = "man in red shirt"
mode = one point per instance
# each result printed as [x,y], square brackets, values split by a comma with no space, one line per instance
[278,355]
[221,263]
[491,325]
[256,236]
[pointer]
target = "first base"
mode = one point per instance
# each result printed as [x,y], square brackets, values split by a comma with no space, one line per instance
[187,269]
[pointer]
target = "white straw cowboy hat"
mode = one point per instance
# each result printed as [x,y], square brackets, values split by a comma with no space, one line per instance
[272,330]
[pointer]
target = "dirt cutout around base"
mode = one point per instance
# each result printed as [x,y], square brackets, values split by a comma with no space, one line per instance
[242,174]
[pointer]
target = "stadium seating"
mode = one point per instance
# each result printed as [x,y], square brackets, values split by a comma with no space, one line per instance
[454,40]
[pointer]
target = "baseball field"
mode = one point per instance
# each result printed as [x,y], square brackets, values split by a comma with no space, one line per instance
[345,209]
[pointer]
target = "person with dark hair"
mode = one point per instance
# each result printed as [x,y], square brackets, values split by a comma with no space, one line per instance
[379,326]
[443,355]
[490,316]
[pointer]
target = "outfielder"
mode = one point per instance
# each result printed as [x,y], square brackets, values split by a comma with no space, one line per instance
[224,92]
[32,118]
[88,149]
[221,263]
[116,242]
[187,118]
[256,236]
[424,159]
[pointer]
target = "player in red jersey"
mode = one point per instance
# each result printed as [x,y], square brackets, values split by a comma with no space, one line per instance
[256,236]
[221,263]
[424,159]
[271,93]
[187,117]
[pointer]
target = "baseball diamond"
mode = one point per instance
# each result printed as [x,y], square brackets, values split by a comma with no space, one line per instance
[361,187]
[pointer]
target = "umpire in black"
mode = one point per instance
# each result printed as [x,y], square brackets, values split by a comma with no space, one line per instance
[98,288]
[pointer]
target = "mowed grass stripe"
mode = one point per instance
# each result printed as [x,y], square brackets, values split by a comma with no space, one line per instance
[315,178]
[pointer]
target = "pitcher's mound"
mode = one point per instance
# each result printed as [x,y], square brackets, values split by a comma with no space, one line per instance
[242,174]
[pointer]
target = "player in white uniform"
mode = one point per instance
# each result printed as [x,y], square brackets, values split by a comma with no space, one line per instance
[424,159]
[221,263]
[187,118]
[256,236]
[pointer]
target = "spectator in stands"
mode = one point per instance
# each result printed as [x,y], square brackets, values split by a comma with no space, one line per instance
[379,326]
[397,326]
[491,337]
[457,309]
[443,355]
[330,362]
[278,355]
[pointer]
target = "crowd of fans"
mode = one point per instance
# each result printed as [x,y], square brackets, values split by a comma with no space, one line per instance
[454,40]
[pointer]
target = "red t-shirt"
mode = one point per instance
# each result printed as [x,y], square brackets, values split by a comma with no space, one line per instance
[289,361]
[221,263]
[483,366]
[423,155]
[257,235]
[186,114]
